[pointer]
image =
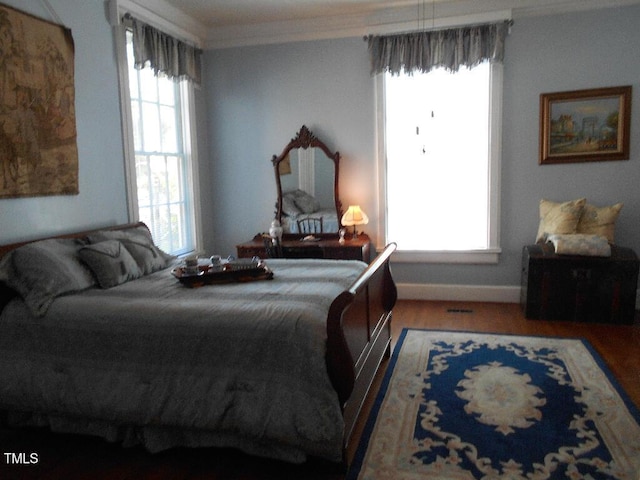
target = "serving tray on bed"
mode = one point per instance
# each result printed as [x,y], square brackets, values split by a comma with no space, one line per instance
[234,271]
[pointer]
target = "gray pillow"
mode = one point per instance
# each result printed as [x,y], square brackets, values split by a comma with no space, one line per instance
[305,202]
[140,245]
[41,271]
[110,262]
[289,206]
[148,257]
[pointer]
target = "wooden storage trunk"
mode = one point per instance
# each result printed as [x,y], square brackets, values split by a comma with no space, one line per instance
[575,287]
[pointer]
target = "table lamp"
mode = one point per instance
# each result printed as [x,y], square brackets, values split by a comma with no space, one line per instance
[354,216]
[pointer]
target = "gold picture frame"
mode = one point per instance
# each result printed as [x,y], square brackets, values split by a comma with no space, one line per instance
[585,125]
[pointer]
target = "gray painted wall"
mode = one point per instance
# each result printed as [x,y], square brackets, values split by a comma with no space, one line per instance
[102,198]
[255,99]
[258,97]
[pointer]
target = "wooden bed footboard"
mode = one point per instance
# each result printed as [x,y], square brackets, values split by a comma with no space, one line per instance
[359,335]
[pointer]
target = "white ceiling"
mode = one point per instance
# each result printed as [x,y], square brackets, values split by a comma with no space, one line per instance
[224,23]
[217,13]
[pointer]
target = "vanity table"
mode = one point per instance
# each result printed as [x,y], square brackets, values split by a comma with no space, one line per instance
[327,246]
[306,175]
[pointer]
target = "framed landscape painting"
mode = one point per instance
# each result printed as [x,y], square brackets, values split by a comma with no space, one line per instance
[585,125]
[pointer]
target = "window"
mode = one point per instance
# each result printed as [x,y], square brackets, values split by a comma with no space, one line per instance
[441,170]
[161,168]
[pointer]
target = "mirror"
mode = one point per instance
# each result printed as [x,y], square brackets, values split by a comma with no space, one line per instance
[307,183]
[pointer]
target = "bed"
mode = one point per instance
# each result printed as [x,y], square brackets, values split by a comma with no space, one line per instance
[329,221]
[138,358]
[298,205]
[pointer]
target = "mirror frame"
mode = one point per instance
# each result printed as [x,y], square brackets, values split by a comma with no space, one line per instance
[306,139]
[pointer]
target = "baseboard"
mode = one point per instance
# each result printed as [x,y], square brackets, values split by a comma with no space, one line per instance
[465,293]
[461,293]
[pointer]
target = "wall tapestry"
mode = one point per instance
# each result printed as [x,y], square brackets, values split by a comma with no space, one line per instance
[38,150]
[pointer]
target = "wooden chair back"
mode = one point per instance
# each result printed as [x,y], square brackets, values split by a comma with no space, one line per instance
[310,225]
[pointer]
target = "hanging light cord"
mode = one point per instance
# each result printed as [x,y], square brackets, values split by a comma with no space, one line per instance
[422,15]
[433,14]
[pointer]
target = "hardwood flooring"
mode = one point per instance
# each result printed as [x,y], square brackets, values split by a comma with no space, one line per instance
[72,457]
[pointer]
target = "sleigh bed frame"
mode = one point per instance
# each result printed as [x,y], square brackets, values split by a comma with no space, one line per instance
[358,329]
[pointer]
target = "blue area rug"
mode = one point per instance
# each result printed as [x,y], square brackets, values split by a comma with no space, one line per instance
[458,405]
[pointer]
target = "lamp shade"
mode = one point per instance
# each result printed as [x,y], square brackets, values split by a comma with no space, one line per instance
[354,216]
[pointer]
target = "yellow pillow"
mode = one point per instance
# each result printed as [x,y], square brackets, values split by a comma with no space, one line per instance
[599,221]
[559,218]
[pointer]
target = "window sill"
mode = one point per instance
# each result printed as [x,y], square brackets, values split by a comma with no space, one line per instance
[489,256]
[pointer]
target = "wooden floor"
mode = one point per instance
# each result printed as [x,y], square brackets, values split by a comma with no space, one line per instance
[74,457]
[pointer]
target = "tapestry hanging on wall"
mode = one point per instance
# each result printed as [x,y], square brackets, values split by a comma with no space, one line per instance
[38,150]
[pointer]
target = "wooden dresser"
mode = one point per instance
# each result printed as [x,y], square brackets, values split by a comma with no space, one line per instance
[327,246]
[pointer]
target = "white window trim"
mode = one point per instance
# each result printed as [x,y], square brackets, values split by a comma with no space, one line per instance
[490,255]
[189,132]
[126,119]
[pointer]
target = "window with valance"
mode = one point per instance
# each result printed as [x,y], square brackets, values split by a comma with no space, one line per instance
[158,73]
[440,125]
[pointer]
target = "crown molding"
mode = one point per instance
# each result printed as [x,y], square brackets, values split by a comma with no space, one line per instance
[569,6]
[161,15]
[356,25]
[384,21]
[396,20]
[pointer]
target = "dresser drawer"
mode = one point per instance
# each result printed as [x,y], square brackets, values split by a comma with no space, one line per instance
[327,246]
[348,253]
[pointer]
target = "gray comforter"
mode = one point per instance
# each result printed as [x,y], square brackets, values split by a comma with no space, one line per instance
[153,362]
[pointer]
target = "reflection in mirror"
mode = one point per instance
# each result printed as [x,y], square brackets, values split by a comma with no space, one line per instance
[307,182]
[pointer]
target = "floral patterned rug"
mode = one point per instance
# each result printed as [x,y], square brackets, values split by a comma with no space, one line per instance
[457,405]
